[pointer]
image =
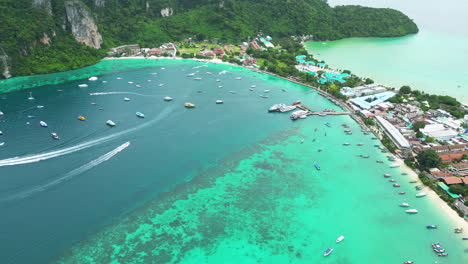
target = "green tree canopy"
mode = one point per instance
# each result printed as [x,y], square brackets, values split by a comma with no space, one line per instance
[418,125]
[428,159]
[405,89]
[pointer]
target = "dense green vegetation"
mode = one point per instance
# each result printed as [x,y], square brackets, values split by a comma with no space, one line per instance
[428,159]
[136,21]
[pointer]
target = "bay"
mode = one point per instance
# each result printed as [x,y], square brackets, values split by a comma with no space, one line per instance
[226,183]
[434,60]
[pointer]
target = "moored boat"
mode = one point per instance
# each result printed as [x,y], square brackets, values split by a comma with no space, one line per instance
[421,194]
[219,101]
[43,124]
[346,144]
[94,78]
[140,115]
[339,239]
[380,161]
[298,102]
[404,205]
[54,135]
[411,211]
[110,123]
[394,166]
[396,185]
[126,99]
[167,98]
[408,262]
[432,226]
[82,85]
[317,166]
[401,193]
[81,118]
[387,175]
[458,230]
[189,105]
[328,252]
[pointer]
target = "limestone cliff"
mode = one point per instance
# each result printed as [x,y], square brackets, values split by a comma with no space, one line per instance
[4,63]
[100,3]
[43,4]
[82,23]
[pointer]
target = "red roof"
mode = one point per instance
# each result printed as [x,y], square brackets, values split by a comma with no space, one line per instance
[447,158]
[452,180]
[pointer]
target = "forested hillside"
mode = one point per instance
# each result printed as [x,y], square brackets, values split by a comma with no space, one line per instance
[41,36]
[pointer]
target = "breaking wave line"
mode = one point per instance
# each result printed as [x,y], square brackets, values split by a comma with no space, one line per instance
[68,175]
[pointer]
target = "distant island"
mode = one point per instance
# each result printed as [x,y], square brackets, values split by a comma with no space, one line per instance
[45,36]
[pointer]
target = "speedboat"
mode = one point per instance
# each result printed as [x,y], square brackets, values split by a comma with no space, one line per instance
[411,211]
[189,105]
[2,143]
[126,99]
[404,204]
[396,185]
[140,114]
[1,133]
[55,136]
[339,239]
[161,84]
[432,226]
[31,116]
[404,173]
[421,194]
[465,238]
[94,78]
[360,144]
[219,101]
[328,252]
[110,123]
[317,166]
[42,124]
[458,230]
[81,118]
[80,85]
[387,175]
[365,156]
[167,98]
[138,85]
[209,73]
[220,86]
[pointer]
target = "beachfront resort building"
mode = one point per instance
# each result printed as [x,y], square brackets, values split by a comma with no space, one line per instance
[363,90]
[394,134]
[369,101]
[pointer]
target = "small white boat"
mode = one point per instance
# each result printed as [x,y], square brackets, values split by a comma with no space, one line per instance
[411,211]
[104,81]
[253,86]
[153,73]
[167,98]
[54,135]
[161,84]
[263,96]
[387,175]
[219,101]
[1,133]
[39,106]
[110,123]
[126,99]
[119,78]
[250,89]
[233,92]
[198,78]
[2,143]
[94,78]
[394,165]
[82,85]
[404,204]
[238,78]
[266,91]
[163,68]
[130,82]
[31,97]
[191,74]
[209,73]
[140,115]
[328,252]
[220,86]
[42,124]
[138,85]
[1,113]
[339,239]
[421,194]
[218,80]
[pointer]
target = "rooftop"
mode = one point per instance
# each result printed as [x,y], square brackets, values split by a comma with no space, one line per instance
[381,97]
[452,180]
[393,131]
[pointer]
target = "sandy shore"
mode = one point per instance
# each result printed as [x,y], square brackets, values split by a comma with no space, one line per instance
[441,205]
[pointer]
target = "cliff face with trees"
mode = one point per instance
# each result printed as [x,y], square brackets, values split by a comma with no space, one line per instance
[41,36]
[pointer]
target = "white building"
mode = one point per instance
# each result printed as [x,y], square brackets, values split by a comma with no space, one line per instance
[364,90]
[439,132]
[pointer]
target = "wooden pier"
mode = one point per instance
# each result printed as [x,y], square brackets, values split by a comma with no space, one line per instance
[310,112]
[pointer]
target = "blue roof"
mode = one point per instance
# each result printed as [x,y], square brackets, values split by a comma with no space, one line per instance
[381,97]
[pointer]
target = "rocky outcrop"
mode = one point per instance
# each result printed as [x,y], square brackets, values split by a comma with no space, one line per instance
[43,4]
[100,3]
[4,62]
[166,12]
[83,26]
[45,39]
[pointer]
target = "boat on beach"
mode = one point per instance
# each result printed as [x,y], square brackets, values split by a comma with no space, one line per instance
[339,239]
[328,252]
[110,123]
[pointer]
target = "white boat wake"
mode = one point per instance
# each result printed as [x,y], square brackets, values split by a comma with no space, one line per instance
[109,93]
[57,153]
[68,175]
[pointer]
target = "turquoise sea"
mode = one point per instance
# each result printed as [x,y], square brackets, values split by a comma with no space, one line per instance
[225,183]
[435,60]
